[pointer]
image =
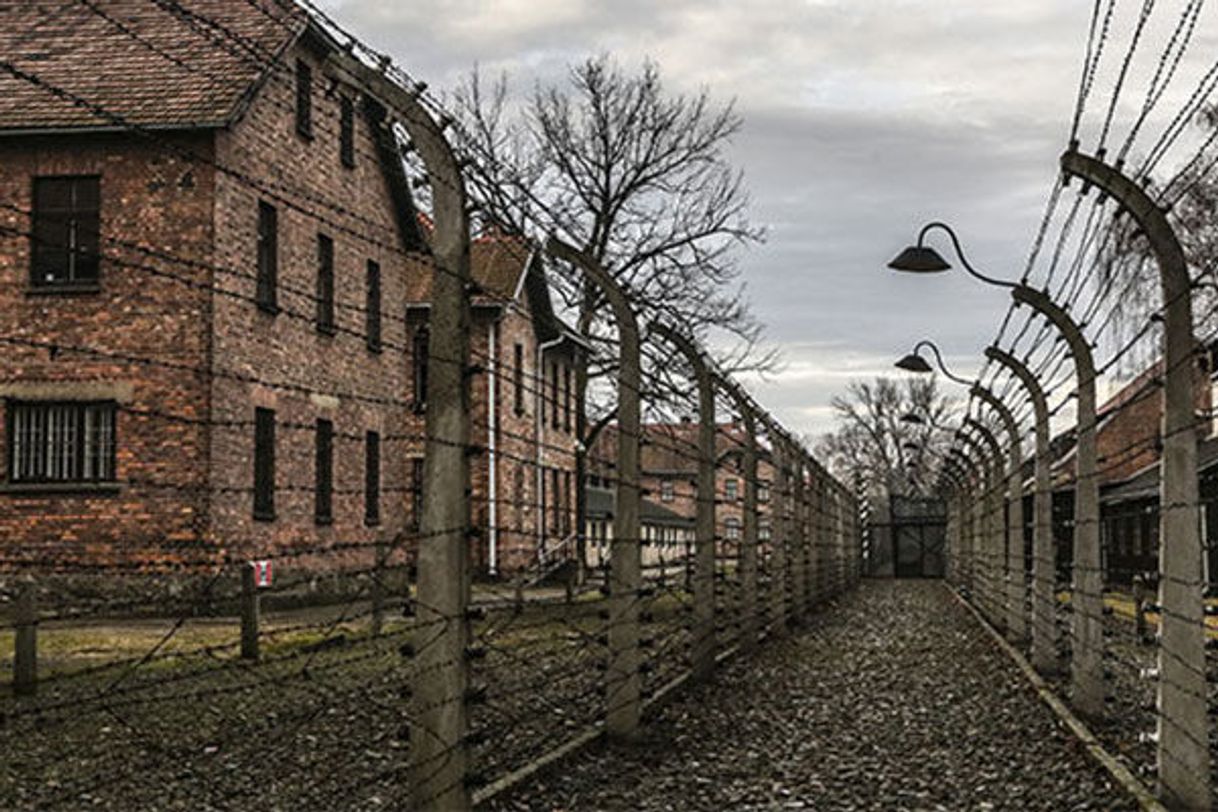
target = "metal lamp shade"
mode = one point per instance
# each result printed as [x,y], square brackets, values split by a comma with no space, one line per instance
[919,259]
[914,363]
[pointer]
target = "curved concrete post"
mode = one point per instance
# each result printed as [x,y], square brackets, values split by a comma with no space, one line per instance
[1087,595]
[985,445]
[439,758]
[1015,582]
[1183,754]
[702,649]
[779,561]
[1044,560]
[623,693]
[748,546]
[973,475]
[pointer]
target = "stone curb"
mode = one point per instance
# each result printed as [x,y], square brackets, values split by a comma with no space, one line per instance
[1119,772]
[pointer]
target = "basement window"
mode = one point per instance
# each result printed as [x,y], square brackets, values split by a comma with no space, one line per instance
[66,217]
[61,442]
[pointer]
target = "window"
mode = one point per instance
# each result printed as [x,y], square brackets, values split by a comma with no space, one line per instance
[420,348]
[566,399]
[732,489]
[763,530]
[61,442]
[64,249]
[372,306]
[264,464]
[763,492]
[518,497]
[416,493]
[304,99]
[268,258]
[324,473]
[554,489]
[518,378]
[346,131]
[554,416]
[325,285]
[666,490]
[731,527]
[372,478]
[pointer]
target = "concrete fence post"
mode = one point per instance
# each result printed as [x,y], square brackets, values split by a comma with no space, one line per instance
[25,652]
[1183,725]
[704,639]
[749,625]
[623,685]
[778,537]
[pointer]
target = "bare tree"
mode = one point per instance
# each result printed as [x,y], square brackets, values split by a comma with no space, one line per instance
[637,177]
[876,440]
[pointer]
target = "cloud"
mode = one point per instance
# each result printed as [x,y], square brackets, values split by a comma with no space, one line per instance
[863,120]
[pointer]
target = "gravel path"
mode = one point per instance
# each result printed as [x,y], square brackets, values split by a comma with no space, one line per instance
[894,699]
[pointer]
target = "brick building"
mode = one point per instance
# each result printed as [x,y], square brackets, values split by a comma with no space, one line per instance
[522,405]
[208,252]
[669,465]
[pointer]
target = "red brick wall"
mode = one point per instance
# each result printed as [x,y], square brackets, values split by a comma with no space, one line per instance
[300,372]
[148,322]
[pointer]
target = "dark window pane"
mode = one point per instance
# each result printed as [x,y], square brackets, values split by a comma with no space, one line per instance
[372,478]
[346,131]
[325,284]
[324,474]
[65,231]
[372,306]
[304,100]
[416,493]
[518,378]
[268,258]
[264,464]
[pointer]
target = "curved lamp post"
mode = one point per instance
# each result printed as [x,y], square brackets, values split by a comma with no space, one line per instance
[1087,651]
[1183,752]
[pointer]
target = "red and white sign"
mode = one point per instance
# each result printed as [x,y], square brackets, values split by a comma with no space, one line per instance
[262,573]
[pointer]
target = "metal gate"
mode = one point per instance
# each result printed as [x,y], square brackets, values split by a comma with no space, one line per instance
[915,538]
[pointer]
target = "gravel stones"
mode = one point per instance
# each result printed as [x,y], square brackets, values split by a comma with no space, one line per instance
[892,699]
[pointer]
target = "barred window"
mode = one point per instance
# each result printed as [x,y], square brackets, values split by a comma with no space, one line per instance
[325,284]
[346,131]
[64,250]
[731,527]
[304,99]
[732,488]
[324,473]
[61,441]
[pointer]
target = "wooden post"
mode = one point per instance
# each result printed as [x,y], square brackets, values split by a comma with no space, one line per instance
[25,660]
[378,590]
[249,613]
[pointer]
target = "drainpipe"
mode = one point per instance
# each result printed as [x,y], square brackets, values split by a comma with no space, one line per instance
[492,462]
[540,394]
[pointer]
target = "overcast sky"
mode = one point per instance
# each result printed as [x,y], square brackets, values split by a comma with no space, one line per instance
[863,119]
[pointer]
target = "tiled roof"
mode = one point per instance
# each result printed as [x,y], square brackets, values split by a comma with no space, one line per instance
[495,264]
[150,63]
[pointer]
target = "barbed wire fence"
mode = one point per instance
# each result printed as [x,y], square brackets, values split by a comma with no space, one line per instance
[372,666]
